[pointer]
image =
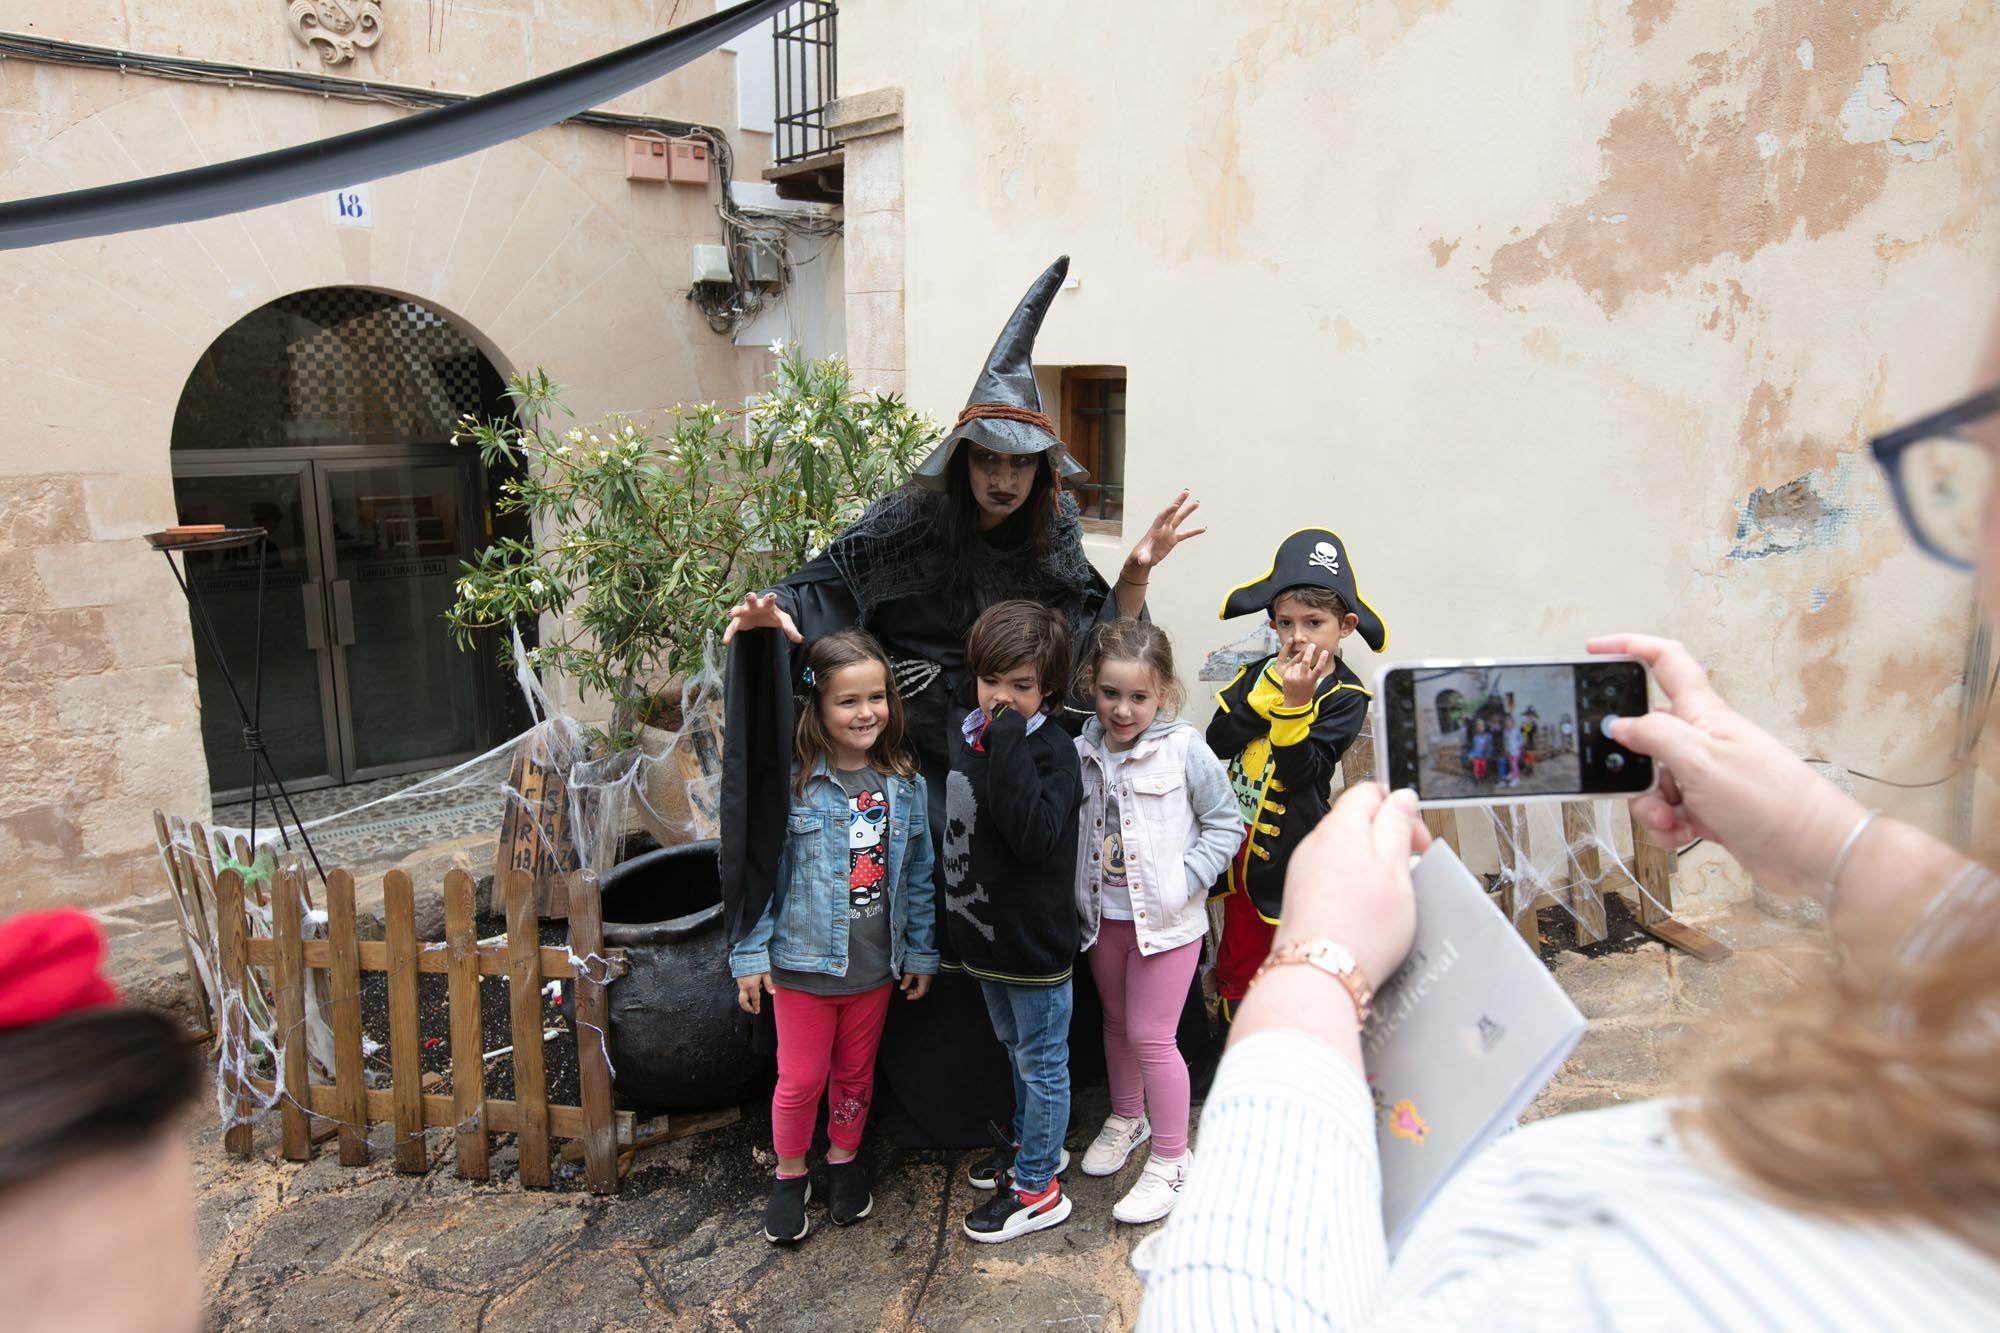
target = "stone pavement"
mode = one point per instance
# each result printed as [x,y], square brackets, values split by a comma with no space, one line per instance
[315,1245]
[291,1246]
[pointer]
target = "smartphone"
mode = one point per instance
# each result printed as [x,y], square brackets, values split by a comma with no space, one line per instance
[1495,730]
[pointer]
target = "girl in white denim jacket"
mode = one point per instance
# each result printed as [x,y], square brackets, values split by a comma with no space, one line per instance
[1158,825]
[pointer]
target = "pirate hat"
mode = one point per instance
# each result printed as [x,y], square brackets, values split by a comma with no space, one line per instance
[1004,413]
[1316,558]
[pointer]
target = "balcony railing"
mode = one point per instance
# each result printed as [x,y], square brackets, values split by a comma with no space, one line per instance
[807,67]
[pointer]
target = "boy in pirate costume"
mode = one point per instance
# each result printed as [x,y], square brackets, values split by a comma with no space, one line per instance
[1281,725]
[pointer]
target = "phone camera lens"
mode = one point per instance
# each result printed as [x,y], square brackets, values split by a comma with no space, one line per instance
[1614,761]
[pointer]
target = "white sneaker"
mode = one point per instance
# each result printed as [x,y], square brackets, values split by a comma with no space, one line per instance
[1158,1190]
[1113,1145]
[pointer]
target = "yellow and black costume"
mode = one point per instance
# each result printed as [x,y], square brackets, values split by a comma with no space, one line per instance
[1281,762]
[1281,759]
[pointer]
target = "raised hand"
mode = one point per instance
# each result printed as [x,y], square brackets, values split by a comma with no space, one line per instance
[1300,671]
[761,611]
[1161,538]
[1722,777]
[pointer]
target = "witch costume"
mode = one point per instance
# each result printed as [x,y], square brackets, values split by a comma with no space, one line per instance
[890,574]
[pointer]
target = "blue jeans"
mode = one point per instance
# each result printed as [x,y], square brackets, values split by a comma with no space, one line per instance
[1032,1022]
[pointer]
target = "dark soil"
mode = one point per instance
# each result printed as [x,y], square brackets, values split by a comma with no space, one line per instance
[559,1057]
[1621,935]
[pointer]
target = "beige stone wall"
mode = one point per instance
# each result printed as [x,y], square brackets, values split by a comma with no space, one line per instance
[465,46]
[540,248]
[1569,317]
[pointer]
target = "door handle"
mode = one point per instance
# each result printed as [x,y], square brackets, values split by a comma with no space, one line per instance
[315,616]
[343,613]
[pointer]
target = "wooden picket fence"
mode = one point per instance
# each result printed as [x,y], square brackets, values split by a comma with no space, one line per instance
[289,960]
[1647,883]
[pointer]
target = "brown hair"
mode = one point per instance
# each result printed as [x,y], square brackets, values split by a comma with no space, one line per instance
[88,1082]
[1141,641]
[1875,1092]
[828,654]
[1313,596]
[1010,633]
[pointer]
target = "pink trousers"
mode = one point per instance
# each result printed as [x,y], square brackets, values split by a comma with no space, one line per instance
[826,1043]
[1142,999]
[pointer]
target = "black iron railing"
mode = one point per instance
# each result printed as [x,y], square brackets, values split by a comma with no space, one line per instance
[806,73]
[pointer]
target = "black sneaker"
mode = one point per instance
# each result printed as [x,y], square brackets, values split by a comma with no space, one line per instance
[785,1214]
[990,1170]
[848,1199]
[996,1166]
[1007,1215]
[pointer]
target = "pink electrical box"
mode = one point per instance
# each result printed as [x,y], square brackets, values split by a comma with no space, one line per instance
[687,161]
[645,158]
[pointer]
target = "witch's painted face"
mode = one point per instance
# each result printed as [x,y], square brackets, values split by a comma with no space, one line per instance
[1000,482]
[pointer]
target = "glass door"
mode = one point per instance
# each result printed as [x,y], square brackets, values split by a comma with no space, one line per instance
[393,532]
[292,696]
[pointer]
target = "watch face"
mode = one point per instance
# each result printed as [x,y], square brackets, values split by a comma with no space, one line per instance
[1334,956]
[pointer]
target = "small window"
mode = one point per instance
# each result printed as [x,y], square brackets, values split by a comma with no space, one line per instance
[1093,426]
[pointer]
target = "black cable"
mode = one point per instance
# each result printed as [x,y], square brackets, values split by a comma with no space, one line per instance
[438,134]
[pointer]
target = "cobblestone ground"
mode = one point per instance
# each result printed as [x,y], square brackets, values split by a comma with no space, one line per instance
[303,1246]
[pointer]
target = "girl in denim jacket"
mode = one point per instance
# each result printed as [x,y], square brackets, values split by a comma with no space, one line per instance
[1159,824]
[852,914]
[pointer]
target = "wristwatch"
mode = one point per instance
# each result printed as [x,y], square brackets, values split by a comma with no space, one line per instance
[1330,958]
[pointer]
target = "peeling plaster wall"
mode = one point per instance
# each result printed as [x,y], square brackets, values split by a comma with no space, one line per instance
[1569,317]
[540,248]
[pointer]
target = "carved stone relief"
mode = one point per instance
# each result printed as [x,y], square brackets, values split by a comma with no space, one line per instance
[337,28]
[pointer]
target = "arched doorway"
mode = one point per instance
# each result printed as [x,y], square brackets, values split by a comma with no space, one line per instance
[326,417]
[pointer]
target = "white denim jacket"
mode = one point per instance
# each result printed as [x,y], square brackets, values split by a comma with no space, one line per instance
[1181,826]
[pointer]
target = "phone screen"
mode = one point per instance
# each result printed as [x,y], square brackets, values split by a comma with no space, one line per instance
[1506,731]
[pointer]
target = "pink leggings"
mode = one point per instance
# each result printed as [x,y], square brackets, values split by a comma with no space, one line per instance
[1142,998]
[826,1043]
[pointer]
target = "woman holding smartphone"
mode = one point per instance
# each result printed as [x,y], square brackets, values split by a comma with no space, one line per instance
[1839,1169]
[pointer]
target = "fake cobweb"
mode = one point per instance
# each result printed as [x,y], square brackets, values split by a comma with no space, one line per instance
[565,806]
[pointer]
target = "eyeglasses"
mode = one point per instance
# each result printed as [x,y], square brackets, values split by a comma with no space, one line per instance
[1939,472]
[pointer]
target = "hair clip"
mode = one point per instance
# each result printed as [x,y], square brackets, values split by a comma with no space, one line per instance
[811,681]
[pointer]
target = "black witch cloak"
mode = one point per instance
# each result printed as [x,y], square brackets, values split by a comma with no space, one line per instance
[940,1063]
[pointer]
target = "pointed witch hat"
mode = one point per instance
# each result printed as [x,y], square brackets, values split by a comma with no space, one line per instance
[1004,413]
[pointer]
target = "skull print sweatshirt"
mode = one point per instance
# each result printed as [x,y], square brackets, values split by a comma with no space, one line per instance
[1009,869]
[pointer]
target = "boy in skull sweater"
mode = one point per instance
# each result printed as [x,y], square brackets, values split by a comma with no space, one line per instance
[1011,803]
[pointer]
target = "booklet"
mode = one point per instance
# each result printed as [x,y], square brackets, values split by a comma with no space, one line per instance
[1462,1037]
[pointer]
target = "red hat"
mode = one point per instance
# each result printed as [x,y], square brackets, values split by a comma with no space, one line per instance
[48,966]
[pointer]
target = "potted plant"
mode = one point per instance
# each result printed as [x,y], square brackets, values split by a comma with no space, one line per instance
[646,533]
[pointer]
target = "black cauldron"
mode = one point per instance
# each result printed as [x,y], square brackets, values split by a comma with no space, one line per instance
[677,1040]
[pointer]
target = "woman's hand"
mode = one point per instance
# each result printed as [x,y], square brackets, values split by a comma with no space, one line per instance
[1349,881]
[916,985]
[1724,778]
[751,990]
[1156,545]
[760,611]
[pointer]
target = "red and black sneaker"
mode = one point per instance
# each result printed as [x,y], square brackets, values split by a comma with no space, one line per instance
[1010,1213]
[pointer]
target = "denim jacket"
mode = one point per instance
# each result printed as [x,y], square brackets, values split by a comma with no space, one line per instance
[1181,824]
[804,927]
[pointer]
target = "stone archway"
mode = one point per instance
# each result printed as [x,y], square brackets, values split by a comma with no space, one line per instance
[327,417]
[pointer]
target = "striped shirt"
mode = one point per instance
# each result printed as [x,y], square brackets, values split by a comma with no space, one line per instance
[1604,1220]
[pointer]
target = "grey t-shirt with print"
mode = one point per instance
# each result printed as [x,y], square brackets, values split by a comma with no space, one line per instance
[867,892]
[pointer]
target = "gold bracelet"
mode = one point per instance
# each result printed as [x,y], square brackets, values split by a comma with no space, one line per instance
[1330,958]
[1133,583]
